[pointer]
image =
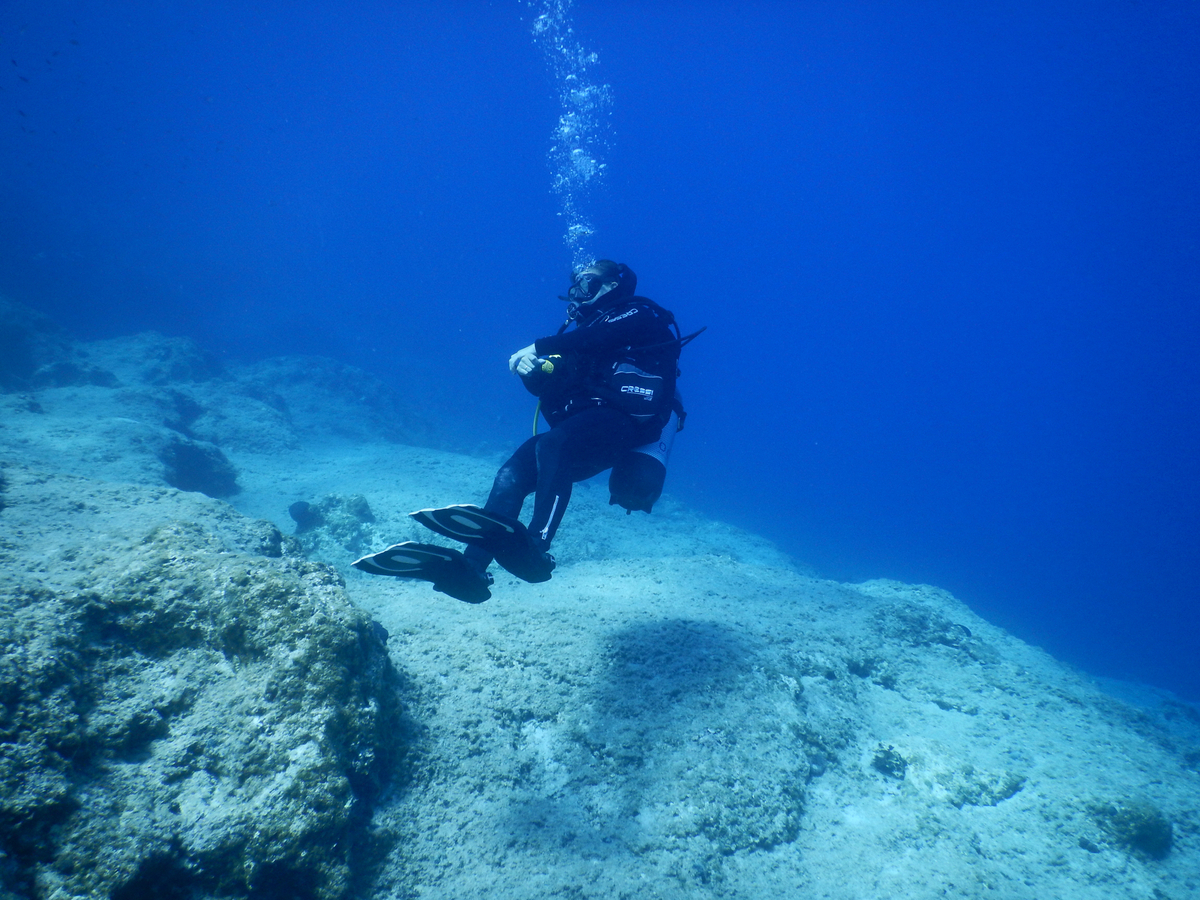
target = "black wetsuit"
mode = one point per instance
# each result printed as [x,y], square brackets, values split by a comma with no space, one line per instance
[587,432]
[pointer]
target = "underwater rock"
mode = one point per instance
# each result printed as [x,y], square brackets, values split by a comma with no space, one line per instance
[323,397]
[125,434]
[95,390]
[920,626]
[66,373]
[178,360]
[203,720]
[888,762]
[305,515]
[1136,825]
[335,519]
[197,466]
[154,359]
[28,341]
[233,417]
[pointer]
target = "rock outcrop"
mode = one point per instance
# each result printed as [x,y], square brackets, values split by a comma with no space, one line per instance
[189,708]
[150,409]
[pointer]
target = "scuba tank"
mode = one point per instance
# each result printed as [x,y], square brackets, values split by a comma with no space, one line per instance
[637,477]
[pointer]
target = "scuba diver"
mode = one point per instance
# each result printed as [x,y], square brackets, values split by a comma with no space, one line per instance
[606,386]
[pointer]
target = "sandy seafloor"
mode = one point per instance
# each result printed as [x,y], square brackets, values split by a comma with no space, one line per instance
[682,711]
[643,724]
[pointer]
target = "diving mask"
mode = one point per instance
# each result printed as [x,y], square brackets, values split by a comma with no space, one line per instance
[585,288]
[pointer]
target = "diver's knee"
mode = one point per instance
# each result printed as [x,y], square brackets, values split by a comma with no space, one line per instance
[505,481]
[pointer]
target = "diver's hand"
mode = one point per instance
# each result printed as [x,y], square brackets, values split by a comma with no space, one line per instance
[527,364]
[523,361]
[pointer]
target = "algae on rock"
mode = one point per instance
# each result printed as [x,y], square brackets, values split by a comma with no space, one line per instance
[1136,825]
[190,716]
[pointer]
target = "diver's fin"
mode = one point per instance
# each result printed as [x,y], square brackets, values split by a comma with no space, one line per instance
[503,537]
[467,523]
[446,568]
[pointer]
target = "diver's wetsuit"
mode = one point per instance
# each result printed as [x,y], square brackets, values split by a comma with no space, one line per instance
[587,433]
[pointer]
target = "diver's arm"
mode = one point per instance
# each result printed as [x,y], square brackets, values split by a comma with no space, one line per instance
[638,326]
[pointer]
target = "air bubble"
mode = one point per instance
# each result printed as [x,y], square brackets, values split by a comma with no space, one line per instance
[581,135]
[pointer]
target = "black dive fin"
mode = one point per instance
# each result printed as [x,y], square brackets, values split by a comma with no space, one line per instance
[448,569]
[505,538]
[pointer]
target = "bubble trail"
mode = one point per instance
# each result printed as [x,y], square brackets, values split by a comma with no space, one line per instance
[582,132]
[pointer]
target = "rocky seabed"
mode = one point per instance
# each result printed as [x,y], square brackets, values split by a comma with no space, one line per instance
[203,700]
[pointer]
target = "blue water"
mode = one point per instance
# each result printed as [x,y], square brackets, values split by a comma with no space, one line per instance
[947,256]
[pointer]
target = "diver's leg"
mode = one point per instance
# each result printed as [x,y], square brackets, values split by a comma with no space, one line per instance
[515,481]
[576,449]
